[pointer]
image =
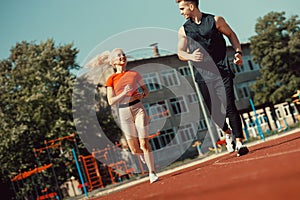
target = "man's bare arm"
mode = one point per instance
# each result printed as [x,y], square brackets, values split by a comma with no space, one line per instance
[182,50]
[225,29]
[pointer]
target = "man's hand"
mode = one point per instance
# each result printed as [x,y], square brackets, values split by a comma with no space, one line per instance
[238,60]
[197,56]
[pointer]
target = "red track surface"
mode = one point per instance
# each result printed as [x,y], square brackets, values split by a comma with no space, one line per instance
[271,170]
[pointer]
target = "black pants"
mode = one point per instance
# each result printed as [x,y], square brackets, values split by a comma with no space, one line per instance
[219,99]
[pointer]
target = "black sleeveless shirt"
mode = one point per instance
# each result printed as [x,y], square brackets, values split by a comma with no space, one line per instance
[210,41]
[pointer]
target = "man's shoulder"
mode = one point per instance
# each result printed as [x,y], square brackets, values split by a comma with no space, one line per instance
[204,14]
[188,21]
[208,16]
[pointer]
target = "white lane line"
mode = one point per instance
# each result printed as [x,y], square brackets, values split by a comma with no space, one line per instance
[219,162]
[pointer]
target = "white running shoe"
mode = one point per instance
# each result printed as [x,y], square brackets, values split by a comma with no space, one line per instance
[229,143]
[229,148]
[153,177]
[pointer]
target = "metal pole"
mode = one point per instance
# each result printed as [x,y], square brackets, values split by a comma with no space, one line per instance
[19,190]
[81,164]
[53,171]
[79,172]
[256,121]
[23,184]
[203,107]
[41,185]
[34,185]
[15,191]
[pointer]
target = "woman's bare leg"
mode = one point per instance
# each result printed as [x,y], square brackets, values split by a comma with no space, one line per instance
[134,146]
[148,155]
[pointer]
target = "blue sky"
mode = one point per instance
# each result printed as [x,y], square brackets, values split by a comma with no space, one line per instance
[88,23]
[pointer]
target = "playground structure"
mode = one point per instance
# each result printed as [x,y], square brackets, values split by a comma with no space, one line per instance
[111,171]
[94,174]
[41,185]
[115,167]
[27,174]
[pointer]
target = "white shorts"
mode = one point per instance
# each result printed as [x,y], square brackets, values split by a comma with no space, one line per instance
[134,121]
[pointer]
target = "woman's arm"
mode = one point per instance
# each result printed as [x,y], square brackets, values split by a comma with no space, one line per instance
[144,88]
[113,98]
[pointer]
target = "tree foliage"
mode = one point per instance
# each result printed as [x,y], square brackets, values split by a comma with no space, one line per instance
[276,48]
[38,96]
[36,89]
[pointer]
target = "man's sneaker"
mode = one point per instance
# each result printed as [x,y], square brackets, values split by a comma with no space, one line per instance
[153,177]
[142,159]
[241,149]
[229,148]
[229,143]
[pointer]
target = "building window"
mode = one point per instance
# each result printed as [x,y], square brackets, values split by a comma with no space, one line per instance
[250,65]
[236,69]
[244,90]
[152,81]
[201,125]
[239,69]
[170,78]
[178,105]
[247,67]
[185,71]
[186,132]
[166,137]
[157,110]
[192,98]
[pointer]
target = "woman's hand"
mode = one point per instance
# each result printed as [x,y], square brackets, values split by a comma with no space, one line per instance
[113,99]
[127,89]
[139,95]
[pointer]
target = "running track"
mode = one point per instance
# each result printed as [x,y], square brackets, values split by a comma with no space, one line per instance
[271,170]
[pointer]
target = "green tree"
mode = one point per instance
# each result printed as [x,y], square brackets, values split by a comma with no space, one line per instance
[36,84]
[276,48]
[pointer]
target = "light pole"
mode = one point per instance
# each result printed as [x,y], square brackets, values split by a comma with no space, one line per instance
[203,108]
